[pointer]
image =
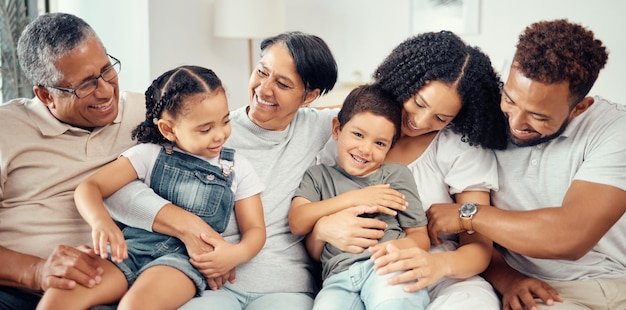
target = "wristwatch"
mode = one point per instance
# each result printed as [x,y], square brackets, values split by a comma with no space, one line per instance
[466,212]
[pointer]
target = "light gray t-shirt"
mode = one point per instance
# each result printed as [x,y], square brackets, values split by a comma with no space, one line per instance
[280,158]
[323,182]
[592,148]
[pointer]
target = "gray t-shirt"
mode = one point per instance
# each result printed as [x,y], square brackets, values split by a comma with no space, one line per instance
[322,182]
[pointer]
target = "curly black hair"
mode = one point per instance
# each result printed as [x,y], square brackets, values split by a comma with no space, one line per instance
[560,51]
[168,93]
[444,57]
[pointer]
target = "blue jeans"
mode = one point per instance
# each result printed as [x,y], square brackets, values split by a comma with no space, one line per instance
[231,299]
[194,185]
[360,287]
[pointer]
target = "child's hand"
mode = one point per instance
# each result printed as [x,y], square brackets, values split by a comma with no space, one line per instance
[386,199]
[220,261]
[106,232]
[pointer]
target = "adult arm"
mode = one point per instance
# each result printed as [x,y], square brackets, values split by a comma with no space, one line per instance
[427,267]
[347,231]
[138,205]
[63,269]
[517,290]
[226,256]
[568,231]
[477,246]
[303,213]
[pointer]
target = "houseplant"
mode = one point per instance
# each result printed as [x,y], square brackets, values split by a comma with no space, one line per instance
[13,19]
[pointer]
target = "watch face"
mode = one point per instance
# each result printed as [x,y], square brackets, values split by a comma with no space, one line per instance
[468,209]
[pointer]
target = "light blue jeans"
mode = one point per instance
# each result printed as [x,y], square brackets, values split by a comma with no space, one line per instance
[231,299]
[360,288]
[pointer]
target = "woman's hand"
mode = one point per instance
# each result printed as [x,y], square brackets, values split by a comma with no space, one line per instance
[418,268]
[218,265]
[348,232]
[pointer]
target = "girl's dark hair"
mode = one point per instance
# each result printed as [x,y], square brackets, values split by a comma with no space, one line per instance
[314,62]
[168,93]
[443,56]
[559,51]
[373,99]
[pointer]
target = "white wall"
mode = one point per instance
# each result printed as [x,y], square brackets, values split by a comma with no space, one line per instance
[153,36]
[123,28]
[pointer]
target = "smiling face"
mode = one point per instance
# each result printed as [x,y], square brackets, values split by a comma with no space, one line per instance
[536,112]
[276,89]
[203,128]
[363,142]
[82,64]
[433,107]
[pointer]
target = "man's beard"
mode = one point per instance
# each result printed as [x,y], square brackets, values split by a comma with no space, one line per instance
[535,141]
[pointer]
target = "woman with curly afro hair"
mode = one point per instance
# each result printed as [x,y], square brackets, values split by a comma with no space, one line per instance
[451,121]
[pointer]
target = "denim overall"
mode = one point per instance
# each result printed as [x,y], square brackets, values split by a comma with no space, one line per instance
[194,185]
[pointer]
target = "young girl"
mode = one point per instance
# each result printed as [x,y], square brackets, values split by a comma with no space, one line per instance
[181,158]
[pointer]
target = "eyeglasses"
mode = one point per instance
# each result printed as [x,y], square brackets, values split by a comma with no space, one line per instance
[85,89]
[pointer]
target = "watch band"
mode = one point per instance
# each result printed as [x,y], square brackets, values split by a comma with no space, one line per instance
[466,213]
[466,223]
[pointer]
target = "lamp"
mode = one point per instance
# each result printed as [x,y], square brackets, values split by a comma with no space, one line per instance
[249,19]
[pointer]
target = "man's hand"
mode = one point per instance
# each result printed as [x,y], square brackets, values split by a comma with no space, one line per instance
[67,266]
[348,232]
[443,217]
[522,293]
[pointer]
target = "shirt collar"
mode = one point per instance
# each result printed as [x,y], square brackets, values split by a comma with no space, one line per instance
[50,125]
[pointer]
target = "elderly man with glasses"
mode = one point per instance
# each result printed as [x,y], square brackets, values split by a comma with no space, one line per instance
[76,123]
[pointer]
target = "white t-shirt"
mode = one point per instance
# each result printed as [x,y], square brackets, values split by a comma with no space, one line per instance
[592,148]
[245,181]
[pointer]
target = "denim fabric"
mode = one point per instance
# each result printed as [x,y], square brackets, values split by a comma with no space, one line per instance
[229,298]
[12,298]
[194,185]
[360,288]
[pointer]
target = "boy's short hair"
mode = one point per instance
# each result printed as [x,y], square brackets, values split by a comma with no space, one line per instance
[371,98]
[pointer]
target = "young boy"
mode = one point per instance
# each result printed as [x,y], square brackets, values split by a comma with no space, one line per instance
[366,128]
